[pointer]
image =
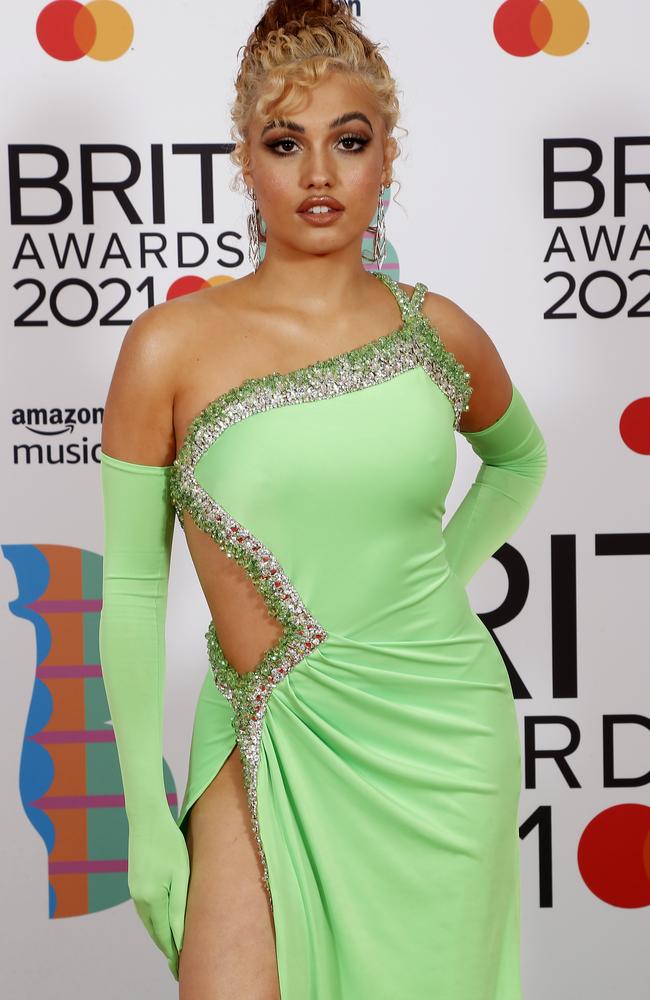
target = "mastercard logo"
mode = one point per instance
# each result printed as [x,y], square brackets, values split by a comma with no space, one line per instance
[193,283]
[525,27]
[101,29]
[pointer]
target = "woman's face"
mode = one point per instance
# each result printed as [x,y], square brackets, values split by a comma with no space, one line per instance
[335,146]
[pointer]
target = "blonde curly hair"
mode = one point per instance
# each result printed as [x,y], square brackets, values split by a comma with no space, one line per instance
[293,45]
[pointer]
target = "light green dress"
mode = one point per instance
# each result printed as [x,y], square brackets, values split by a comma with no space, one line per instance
[379,736]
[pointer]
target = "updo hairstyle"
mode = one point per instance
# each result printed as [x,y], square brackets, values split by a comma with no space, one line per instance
[293,45]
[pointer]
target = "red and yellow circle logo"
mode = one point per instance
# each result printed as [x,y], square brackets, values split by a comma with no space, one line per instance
[525,27]
[194,283]
[634,425]
[101,29]
[614,855]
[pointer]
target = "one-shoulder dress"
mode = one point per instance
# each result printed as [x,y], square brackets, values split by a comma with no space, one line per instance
[378,736]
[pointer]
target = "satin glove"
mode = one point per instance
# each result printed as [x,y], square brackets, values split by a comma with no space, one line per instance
[514,462]
[138,531]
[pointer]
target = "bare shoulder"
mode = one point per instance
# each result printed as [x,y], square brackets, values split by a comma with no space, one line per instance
[138,413]
[474,348]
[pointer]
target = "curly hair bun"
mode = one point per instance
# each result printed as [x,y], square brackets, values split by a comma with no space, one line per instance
[292,15]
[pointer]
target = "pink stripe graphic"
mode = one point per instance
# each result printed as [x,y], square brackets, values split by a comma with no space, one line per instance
[88,801]
[86,867]
[69,670]
[74,736]
[65,607]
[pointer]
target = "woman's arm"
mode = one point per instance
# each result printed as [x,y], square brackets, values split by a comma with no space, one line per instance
[502,432]
[136,456]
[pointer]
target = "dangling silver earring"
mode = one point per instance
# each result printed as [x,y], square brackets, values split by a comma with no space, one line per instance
[253,233]
[379,242]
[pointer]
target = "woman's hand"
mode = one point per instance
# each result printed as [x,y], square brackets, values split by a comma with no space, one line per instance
[158,879]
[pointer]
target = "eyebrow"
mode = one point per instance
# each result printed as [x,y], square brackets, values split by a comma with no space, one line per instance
[295,127]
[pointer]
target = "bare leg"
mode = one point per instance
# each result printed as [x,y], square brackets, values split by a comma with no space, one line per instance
[229,942]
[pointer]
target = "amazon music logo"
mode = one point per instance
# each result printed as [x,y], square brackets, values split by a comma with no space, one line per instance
[101,29]
[526,27]
[48,428]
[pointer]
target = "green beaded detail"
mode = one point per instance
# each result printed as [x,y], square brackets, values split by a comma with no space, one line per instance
[415,325]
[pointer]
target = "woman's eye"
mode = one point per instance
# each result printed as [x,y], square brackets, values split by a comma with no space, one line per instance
[280,145]
[282,142]
[360,140]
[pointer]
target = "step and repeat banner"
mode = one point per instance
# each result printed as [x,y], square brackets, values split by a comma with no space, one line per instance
[524,195]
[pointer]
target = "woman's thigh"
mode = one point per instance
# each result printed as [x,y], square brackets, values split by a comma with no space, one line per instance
[229,940]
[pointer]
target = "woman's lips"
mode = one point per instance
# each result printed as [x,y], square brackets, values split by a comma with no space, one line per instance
[321,218]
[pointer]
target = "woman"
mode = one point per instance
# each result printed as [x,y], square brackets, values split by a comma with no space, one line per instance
[299,423]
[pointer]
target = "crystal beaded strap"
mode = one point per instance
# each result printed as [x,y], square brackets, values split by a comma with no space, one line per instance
[409,307]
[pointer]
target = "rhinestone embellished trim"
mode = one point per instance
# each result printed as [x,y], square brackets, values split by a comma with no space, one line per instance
[414,344]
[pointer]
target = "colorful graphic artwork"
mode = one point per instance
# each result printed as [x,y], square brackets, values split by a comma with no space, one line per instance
[70,782]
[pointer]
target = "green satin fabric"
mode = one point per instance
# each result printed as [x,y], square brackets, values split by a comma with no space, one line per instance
[389,772]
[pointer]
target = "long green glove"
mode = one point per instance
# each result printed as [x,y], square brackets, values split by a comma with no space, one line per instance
[514,462]
[138,530]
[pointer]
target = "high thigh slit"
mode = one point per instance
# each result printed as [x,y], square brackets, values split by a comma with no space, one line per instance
[229,941]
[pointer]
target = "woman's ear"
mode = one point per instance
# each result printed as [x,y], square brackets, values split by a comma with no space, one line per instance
[390,152]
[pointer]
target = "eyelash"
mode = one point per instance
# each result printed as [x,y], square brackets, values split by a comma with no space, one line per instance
[350,135]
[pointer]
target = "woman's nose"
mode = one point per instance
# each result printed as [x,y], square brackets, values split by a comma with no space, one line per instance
[318,169]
